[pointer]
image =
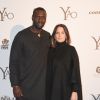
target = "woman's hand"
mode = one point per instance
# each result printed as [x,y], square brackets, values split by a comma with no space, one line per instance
[74,96]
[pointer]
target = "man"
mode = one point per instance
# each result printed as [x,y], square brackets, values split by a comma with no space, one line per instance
[28,59]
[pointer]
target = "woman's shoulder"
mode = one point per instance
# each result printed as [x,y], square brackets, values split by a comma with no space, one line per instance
[70,46]
[73,50]
[51,48]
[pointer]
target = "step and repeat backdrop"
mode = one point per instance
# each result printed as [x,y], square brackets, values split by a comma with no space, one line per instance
[82,17]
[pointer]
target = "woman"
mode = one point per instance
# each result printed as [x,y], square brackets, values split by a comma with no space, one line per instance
[63,73]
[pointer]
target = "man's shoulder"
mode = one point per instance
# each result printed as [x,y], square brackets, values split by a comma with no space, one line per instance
[22,33]
[46,32]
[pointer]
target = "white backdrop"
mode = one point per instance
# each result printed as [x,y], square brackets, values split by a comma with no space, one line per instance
[82,18]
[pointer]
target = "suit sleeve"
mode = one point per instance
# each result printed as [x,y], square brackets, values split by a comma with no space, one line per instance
[15,55]
[76,77]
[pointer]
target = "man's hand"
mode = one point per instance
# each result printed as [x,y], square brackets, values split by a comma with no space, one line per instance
[17,91]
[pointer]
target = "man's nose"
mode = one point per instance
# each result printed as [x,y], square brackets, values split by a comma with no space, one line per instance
[40,19]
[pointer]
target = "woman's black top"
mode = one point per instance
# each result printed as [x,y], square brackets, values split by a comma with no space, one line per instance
[63,73]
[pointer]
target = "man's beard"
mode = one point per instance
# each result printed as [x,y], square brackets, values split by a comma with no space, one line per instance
[39,26]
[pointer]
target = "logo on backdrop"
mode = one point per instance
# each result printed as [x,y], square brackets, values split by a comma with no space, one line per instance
[97,72]
[6,98]
[95,97]
[68,13]
[98,69]
[5,72]
[97,42]
[4,44]
[94,12]
[4,14]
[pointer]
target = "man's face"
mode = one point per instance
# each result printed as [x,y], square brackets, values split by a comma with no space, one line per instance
[39,19]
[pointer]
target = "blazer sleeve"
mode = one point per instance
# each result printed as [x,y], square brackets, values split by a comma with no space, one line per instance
[15,55]
[76,77]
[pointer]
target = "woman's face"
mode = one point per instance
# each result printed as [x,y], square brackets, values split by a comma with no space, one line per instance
[60,35]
